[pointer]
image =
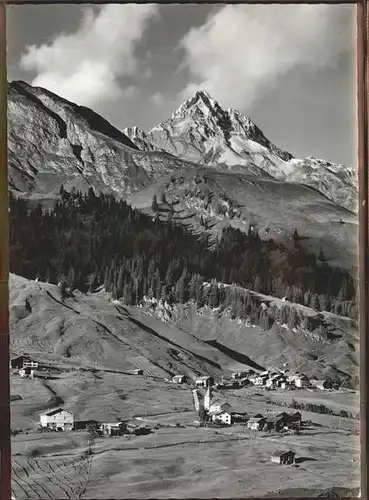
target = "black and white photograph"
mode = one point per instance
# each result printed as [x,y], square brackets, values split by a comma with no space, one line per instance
[183,251]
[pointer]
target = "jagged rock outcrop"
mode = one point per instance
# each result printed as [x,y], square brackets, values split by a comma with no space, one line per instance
[140,139]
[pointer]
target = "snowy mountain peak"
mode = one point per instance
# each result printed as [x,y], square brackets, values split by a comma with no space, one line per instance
[201,104]
[202,131]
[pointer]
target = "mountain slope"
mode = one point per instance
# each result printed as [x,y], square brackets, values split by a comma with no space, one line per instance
[53,142]
[201,131]
[88,330]
[207,200]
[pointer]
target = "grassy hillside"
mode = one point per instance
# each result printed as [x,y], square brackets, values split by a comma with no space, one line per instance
[89,331]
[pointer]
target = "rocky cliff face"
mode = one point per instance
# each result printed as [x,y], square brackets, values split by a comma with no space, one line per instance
[140,139]
[201,131]
[52,141]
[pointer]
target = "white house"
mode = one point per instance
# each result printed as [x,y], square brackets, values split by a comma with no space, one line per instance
[57,419]
[204,381]
[301,381]
[259,381]
[222,417]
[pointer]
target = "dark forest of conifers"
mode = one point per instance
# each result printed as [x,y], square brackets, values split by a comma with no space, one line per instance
[87,241]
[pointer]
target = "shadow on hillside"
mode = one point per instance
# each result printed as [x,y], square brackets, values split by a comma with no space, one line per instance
[165,339]
[300,460]
[237,356]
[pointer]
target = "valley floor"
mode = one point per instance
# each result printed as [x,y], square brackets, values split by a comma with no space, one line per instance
[178,459]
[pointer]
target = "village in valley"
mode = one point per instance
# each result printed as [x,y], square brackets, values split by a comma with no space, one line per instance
[211,408]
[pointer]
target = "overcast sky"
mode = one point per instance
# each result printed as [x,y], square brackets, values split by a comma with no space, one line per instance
[291,68]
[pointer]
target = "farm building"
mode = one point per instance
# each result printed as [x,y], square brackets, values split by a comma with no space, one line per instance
[295,418]
[57,419]
[179,379]
[18,362]
[285,416]
[240,417]
[138,430]
[286,385]
[221,417]
[275,423]
[220,406]
[256,424]
[283,457]
[80,425]
[113,429]
[138,371]
[204,381]
[27,372]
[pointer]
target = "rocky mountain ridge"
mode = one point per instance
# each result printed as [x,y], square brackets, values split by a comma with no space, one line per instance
[52,141]
[202,131]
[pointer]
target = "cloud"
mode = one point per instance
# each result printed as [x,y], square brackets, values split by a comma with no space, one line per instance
[242,50]
[157,99]
[85,66]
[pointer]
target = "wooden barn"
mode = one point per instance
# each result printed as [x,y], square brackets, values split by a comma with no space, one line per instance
[283,457]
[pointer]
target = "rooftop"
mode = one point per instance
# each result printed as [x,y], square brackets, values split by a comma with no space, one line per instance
[278,453]
[53,411]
